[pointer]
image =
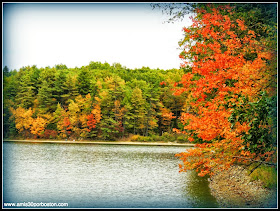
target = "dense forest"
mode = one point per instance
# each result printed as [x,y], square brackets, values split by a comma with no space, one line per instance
[97,101]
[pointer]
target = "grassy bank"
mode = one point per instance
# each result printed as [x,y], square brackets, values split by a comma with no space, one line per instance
[266,174]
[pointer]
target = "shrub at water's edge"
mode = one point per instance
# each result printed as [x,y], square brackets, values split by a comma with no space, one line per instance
[165,137]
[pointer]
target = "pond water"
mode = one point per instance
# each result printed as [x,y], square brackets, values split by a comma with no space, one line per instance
[101,176]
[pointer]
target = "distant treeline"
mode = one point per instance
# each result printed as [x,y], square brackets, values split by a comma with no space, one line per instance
[97,101]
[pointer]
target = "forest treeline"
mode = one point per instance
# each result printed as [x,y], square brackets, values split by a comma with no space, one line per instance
[97,101]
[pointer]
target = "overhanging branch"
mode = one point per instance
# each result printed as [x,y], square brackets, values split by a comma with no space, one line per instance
[260,161]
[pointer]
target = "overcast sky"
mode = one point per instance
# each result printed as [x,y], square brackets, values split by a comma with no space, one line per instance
[132,34]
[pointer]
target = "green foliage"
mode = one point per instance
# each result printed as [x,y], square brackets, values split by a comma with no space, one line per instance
[26,93]
[61,67]
[258,16]
[70,90]
[6,71]
[84,81]
[267,174]
[261,137]
[46,98]
[59,86]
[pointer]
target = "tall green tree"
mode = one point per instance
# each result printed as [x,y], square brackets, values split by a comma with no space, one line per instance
[111,96]
[137,110]
[46,98]
[6,71]
[60,87]
[26,91]
[10,86]
[69,89]
[46,92]
[83,82]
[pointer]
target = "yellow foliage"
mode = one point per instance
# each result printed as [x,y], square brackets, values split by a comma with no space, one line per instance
[134,138]
[23,118]
[38,126]
[73,108]
[97,113]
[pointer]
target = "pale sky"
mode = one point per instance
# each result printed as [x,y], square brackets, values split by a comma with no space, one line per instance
[132,34]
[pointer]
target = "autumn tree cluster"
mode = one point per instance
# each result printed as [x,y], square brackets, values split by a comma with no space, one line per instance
[97,101]
[231,84]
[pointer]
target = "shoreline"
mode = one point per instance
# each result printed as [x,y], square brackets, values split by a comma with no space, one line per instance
[102,142]
[233,188]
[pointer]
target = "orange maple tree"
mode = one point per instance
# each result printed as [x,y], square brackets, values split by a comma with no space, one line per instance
[166,117]
[38,126]
[226,63]
[63,122]
[95,116]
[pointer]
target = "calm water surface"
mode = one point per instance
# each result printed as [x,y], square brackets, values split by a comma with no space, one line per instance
[101,176]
